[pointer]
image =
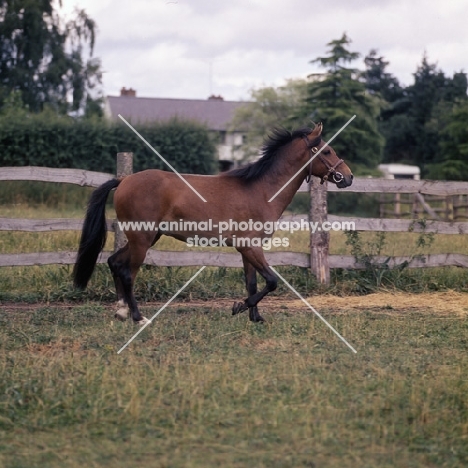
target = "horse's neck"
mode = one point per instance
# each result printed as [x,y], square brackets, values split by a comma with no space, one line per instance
[286,180]
[284,198]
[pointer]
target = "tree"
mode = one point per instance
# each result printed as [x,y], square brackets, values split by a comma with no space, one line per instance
[378,81]
[336,98]
[426,91]
[432,96]
[269,107]
[43,58]
[451,162]
[414,124]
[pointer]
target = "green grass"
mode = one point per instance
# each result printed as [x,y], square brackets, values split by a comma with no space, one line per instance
[47,195]
[200,388]
[53,283]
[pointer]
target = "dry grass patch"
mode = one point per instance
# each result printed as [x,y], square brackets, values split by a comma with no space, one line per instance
[449,302]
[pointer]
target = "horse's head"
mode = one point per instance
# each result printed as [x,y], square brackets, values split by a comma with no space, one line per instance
[326,164]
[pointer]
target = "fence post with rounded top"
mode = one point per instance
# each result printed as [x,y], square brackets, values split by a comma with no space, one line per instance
[124,168]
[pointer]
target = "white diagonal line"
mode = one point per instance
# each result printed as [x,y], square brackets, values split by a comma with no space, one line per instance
[162,159]
[315,312]
[311,159]
[161,309]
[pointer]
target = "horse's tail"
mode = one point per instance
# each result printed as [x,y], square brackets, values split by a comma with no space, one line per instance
[93,235]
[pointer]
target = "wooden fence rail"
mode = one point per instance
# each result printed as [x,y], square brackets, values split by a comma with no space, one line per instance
[223,259]
[47,174]
[318,259]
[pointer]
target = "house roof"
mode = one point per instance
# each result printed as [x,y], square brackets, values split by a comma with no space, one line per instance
[215,113]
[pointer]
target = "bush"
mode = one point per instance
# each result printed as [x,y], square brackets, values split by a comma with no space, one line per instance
[51,141]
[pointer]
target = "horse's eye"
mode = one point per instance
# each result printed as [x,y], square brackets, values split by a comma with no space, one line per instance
[327,152]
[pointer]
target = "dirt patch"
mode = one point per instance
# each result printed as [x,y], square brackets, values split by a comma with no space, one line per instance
[449,302]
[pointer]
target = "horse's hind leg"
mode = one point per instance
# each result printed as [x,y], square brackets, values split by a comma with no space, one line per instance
[251,286]
[125,265]
[255,258]
[117,263]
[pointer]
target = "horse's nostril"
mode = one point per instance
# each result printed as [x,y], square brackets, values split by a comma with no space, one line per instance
[351,177]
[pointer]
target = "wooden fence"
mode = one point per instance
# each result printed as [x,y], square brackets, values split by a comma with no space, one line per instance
[318,259]
[393,186]
[415,205]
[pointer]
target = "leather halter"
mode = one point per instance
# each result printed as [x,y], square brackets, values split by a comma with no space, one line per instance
[337,176]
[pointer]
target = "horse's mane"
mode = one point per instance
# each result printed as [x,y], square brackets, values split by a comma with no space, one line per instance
[275,141]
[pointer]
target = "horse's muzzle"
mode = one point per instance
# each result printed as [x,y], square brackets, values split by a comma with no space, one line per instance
[343,181]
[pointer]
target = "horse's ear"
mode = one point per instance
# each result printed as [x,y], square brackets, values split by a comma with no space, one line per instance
[317,131]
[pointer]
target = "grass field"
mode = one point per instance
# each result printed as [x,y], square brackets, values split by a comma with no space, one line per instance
[200,388]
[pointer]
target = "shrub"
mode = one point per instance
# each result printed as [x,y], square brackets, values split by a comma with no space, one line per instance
[51,141]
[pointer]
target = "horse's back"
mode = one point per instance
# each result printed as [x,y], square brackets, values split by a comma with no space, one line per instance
[155,194]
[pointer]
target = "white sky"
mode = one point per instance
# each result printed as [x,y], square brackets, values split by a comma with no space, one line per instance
[166,48]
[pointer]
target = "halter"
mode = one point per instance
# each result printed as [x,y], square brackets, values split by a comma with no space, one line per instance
[337,176]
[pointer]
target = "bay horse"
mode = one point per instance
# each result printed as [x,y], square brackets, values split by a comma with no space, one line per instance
[238,195]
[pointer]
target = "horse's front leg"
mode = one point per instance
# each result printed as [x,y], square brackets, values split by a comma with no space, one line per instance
[251,286]
[254,260]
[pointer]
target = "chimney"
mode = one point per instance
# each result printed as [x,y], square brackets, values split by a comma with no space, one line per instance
[130,92]
[213,97]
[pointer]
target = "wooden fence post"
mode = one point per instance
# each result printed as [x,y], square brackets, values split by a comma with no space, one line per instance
[124,168]
[320,240]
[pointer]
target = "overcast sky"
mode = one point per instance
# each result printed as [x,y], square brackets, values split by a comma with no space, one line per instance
[167,48]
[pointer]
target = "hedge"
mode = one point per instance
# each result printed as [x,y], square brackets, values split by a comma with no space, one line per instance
[50,141]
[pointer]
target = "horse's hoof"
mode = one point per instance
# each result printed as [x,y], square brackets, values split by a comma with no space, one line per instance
[257,319]
[238,307]
[122,314]
[143,321]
